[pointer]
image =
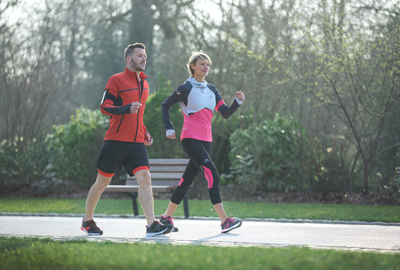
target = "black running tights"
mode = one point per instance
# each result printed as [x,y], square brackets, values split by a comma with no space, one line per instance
[199,161]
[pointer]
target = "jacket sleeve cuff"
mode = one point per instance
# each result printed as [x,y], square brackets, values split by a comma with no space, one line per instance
[240,102]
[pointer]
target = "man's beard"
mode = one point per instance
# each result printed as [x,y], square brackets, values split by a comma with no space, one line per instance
[137,66]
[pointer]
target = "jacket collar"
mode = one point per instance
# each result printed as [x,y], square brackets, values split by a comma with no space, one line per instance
[131,74]
[196,83]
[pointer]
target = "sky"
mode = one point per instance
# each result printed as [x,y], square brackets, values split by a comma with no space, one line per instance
[15,13]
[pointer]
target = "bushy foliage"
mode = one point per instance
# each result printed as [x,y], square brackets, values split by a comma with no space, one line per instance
[221,131]
[391,189]
[265,156]
[76,145]
[25,162]
[162,146]
[70,151]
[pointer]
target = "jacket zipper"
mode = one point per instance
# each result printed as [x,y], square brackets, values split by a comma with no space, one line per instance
[120,122]
[140,97]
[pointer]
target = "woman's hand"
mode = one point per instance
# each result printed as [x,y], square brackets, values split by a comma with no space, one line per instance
[240,95]
[170,134]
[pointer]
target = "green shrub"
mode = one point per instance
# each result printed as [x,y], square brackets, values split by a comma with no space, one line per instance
[162,146]
[25,163]
[221,130]
[75,146]
[265,156]
[391,189]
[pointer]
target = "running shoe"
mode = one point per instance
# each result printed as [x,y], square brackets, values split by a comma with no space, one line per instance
[230,224]
[158,228]
[168,220]
[90,227]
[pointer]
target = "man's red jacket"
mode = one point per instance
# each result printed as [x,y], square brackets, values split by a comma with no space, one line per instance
[121,90]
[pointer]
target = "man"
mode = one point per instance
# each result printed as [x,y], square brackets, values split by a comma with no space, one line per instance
[124,101]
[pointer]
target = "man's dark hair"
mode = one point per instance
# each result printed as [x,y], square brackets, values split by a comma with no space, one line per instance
[131,47]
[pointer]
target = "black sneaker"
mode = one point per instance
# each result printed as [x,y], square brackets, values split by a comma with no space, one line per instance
[230,224]
[90,227]
[158,228]
[167,221]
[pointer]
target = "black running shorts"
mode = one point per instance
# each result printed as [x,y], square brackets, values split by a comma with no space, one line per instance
[115,154]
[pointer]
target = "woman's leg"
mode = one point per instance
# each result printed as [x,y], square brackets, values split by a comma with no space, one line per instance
[198,153]
[171,209]
[219,208]
[187,179]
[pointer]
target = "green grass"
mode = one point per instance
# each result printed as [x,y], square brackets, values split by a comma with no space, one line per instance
[205,209]
[33,253]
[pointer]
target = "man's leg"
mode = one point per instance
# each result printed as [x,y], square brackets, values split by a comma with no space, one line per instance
[146,195]
[94,194]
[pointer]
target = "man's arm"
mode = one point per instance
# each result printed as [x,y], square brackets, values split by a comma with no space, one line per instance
[109,103]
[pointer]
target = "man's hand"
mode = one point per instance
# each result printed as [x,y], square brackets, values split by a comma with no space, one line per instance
[170,134]
[135,106]
[240,95]
[148,139]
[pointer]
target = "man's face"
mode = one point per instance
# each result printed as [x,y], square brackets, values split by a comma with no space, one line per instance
[137,61]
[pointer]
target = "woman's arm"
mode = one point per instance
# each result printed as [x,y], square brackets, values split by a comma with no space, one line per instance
[177,96]
[226,111]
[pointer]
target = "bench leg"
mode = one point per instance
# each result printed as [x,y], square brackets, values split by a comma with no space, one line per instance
[134,195]
[186,206]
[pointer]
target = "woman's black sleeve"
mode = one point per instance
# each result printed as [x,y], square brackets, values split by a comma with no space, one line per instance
[177,96]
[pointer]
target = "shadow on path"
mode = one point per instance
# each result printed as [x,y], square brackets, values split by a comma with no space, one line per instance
[203,240]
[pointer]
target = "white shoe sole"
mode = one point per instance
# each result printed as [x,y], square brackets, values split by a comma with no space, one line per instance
[158,233]
[88,233]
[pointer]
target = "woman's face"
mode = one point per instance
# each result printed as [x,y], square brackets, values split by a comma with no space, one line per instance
[201,68]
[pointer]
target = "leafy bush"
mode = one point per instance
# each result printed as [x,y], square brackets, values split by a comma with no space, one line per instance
[25,163]
[75,146]
[162,146]
[392,189]
[265,156]
[222,129]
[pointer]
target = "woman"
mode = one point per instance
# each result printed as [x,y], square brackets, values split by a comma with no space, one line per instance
[198,100]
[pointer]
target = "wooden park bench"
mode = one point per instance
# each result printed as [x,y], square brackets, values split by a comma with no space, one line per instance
[165,177]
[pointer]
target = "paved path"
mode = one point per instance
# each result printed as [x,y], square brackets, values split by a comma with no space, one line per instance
[194,231]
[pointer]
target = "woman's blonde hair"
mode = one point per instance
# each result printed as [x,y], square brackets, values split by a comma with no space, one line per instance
[193,59]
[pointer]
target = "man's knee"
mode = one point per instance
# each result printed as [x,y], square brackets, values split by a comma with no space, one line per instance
[102,181]
[143,177]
